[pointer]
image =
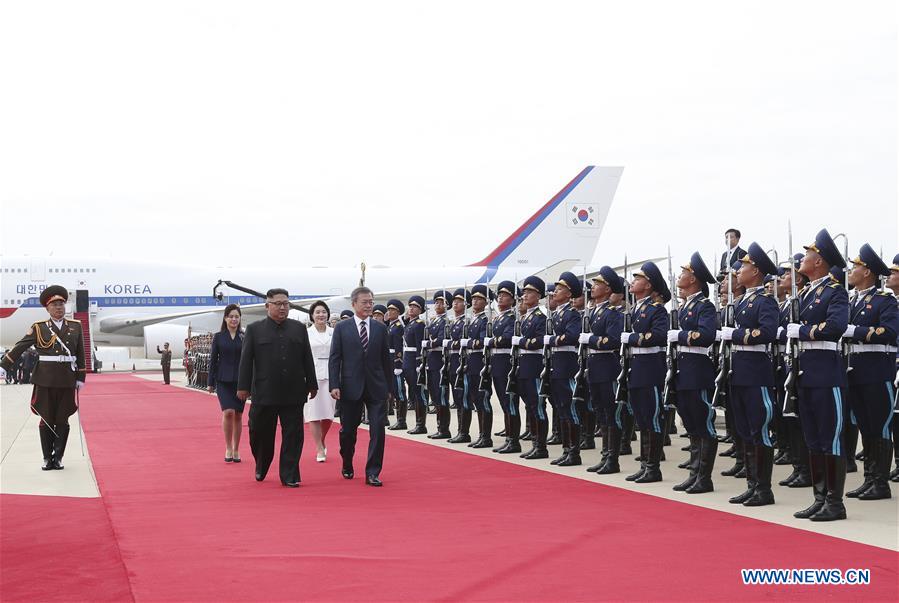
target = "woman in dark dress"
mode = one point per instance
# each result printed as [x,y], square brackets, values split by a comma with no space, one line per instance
[224,362]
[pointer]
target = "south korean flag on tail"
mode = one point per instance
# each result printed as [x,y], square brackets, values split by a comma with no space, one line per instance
[581,215]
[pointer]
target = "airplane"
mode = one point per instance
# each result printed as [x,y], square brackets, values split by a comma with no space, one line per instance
[136,304]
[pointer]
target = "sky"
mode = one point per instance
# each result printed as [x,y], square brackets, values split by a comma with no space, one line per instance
[412,133]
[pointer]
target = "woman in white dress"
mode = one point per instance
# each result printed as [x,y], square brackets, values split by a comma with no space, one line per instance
[319,411]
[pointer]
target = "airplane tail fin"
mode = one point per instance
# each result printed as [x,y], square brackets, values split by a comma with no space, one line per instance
[567,227]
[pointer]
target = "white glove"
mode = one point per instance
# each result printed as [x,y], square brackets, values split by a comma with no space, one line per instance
[447,342]
[425,344]
[397,372]
[727,333]
[547,339]
[673,335]
[79,385]
[584,338]
[717,335]
[793,330]
[516,340]
[625,337]
[464,342]
[850,331]
[780,331]
[488,341]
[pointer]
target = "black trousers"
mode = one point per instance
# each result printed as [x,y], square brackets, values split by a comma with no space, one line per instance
[350,417]
[166,372]
[263,423]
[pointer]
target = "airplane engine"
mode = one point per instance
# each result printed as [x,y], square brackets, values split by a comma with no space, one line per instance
[157,335]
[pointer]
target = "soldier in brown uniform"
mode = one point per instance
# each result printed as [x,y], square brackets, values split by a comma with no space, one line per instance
[58,373]
[166,362]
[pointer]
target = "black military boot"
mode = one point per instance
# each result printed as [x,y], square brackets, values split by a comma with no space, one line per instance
[835,480]
[400,416]
[784,446]
[763,466]
[480,437]
[485,424]
[670,427]
[391,405]
[740,459]
[627,431]
[59,445]
[749,460]
[47,438]
[881,449]
[850,437]
[894,474]
[532,428]
[867,463]
[588,437]
[539,428]
[421,416]
[443,419]
[708,447]
[527,436]
[597,424]
[514,428]
[504,430]
[816,470]
[692,464]
[462,436]
[611,464]
[803,478]
[644,455]
[574,442]
[566,443]
[556,437]
[653,471]
[604,432]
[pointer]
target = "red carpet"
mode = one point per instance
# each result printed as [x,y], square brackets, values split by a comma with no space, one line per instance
[446,526]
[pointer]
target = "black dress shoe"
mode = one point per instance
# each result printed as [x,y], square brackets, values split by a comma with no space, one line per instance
[58,465]
[347,473]
[291,484]
[48,465]
[259,477]
[372,480]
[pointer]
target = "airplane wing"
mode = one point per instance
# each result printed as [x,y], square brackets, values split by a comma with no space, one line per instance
[134,325]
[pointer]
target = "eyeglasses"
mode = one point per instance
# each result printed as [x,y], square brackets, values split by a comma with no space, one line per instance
[280,304]
[366,302]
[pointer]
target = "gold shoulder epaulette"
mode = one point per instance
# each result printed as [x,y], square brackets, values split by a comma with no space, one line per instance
[835,285]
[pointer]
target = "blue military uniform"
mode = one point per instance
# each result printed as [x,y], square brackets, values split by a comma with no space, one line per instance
[437,330]
[395,332]
[458,329]
[894,475]
[823,315]
[500,366]
[873,325]
[479,389]
[603,343]
[695,378]
[752,400]
[413,337]
[530,368]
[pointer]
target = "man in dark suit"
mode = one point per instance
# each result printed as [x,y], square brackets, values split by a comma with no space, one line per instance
[276,365]
[734,253]
[360,368]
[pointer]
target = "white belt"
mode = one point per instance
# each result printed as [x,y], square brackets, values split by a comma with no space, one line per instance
[530,351]
[856,348]
[565,348]
[591,352]
[409,348]
[57,358]
[454,351]
[392,351]
[501,351]
[761,347]
[818,345]
[437,350]
[653,350]
[694,349]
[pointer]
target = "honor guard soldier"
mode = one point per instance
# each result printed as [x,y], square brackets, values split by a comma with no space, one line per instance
[604,363]
[695,377]
[530,364]
[566,329]
[737,450]
[433,347]
[775,289]
[850,429]
[873,324]
[589,430]
[893,285]
[379,312]
[752,394]
[647,375]
[346,314]
[823,315]
[395,330]
[501,363]
[413,336]
[479,399]
[58,375]
[461,301]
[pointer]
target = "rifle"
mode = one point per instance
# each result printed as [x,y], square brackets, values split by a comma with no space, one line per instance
[621,396]
[722,380]
[580,379]
[670,393]
[791,385]
[422,380]
[485,382]
[459,379]
[546,374]
[445,368]
[512,382]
